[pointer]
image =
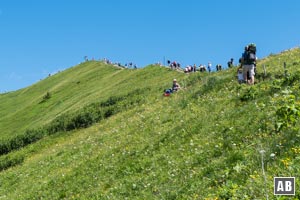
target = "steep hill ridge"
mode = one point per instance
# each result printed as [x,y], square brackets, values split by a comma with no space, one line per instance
[205,142]
[71,89]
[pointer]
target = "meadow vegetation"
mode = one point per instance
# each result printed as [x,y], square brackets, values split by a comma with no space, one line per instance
[96,131]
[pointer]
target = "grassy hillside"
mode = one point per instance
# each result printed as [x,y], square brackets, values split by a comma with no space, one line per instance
[108,133]
[70,90]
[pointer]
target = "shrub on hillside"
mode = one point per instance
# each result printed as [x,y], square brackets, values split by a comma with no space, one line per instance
[291,79]
[46,97]
[10,161]
[111,101]
[19,141]
[248,93]
[83,118]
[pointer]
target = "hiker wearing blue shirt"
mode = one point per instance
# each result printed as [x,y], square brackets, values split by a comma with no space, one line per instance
[209,66]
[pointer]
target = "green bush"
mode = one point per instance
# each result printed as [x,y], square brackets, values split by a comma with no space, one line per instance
[9,161]
[287,113]
[83,118]
[248,93]
[46,97]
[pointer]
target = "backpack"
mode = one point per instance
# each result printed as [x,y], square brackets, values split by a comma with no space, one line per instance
[249,57]
[229,64]
[252,48]
[167,92]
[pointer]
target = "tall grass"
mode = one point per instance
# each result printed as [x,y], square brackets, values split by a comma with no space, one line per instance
[202,142]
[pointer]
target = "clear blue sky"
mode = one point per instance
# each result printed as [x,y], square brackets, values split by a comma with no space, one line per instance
[41,37]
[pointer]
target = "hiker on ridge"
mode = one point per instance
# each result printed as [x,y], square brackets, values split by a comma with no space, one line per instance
[248,63]
[230,63]
[209,67]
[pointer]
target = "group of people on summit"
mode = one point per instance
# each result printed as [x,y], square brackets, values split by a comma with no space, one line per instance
[245,72]
[194,68]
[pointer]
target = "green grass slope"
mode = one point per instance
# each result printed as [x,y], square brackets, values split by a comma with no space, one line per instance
[70,90]
[108,133]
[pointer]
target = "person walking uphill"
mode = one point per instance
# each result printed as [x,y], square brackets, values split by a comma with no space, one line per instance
[248,63]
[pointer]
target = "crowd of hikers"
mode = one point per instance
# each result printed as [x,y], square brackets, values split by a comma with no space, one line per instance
[245,71]
[194,68]
[201,68]
[129,65]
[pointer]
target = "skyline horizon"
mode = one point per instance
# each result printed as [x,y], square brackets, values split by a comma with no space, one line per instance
[224,67]
[38,38]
